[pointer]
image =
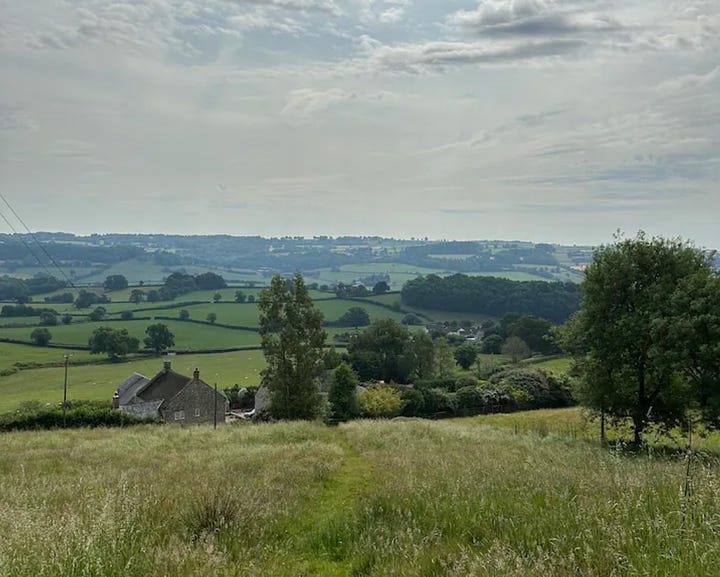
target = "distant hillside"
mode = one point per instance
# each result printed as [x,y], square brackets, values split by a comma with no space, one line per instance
[325,260]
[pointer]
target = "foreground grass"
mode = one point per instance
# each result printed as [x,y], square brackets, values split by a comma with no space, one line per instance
[578,423]
[369,498]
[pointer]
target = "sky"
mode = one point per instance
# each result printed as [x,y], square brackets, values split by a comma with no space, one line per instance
[542,120]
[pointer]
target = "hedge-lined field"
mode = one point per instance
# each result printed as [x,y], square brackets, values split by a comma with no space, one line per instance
[381,498]
[97,382]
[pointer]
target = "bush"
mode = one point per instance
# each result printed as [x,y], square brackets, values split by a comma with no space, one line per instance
[382,402]
[127,315]
[342,397]
[439,402]
[411,319]
[413,403]
[98,314]
[48,318]
[482,399]
[79,414]
[466,382]
[544,389]
[41,337]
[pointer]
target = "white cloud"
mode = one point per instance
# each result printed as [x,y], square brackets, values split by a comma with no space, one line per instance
[306,102]
[503,118]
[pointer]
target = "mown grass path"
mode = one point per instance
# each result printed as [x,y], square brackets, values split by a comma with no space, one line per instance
[315,531]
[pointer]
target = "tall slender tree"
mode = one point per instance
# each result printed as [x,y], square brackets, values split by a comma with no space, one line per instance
[292,337]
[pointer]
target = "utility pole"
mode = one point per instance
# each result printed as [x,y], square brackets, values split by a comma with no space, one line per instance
[215,411]
[65,393]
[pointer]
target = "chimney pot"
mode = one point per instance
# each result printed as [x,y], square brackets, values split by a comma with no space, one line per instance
[196,374]
[166,365]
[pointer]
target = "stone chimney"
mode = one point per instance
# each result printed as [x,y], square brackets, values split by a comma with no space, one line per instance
[166,366]
[116,401]
[196,374]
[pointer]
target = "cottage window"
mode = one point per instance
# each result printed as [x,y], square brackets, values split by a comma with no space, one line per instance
[197,412]
[179,415]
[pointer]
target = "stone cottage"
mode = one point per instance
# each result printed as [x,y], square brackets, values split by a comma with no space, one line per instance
[172,397]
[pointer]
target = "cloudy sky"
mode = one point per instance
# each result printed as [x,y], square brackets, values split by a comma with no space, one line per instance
[545,120]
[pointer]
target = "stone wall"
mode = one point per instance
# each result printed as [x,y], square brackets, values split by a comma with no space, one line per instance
[194,405]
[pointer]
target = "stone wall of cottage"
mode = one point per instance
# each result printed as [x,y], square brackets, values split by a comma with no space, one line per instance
[194,405]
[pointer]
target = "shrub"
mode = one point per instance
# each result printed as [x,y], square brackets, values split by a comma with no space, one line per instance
[41,336]
[438,402]
[48,318]
[413,403]
[411,319]
[126,315]
[79,414]
[466,382]
[544,389]
[382,402]
[342,397]
[98,314]
[485,398]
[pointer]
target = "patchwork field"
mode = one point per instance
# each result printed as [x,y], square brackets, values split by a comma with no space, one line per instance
[409,497]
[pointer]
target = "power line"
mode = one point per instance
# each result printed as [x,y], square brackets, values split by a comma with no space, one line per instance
[27,246]
[42,248]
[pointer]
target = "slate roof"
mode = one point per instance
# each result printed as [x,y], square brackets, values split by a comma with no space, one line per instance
[165,385]
[129,387]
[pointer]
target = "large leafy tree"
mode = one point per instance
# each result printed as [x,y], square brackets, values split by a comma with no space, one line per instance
[633,362]
[354,317]
[115,282]
[114,342]
[292,335]
[380,352]
[158,337]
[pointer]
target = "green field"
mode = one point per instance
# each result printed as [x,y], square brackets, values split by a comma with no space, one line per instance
[377,499]
[136,270]
[99,381]
[27,355]
[188,336]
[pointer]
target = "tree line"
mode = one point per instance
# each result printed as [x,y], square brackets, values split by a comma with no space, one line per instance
[554,301]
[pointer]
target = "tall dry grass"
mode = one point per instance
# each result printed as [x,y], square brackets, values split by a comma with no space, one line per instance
[368,498]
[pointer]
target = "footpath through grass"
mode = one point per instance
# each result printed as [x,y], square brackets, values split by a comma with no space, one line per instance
[384,498]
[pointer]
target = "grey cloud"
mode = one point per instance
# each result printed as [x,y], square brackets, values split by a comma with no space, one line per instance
[532,18]
[416,57]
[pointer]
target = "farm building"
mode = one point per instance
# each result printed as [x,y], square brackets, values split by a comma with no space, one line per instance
[172,397]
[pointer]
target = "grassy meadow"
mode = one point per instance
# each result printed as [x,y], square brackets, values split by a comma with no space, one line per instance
[382,498]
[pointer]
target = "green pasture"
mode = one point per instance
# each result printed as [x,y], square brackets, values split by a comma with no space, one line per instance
[557,366]
[136,270]
[99,381]
[188,336]
[12,355]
